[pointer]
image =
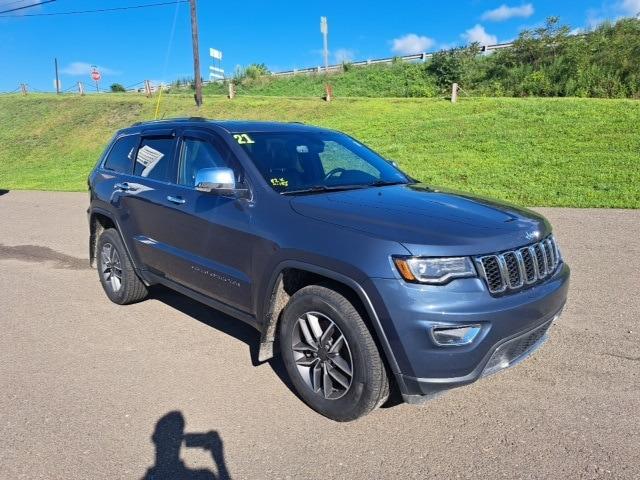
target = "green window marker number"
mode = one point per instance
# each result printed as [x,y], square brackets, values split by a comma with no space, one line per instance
[243,138]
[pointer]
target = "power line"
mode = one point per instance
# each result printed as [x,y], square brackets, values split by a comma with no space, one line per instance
[101,10]
[23,7]
[5,5]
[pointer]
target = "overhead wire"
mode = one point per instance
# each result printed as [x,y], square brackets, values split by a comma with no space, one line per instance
[99,10]
[166,57]
[25,7]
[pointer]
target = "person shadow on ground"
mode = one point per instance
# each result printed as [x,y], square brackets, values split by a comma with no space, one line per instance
[168,437]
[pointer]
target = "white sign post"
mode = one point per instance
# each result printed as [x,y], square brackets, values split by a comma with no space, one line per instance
[216,73]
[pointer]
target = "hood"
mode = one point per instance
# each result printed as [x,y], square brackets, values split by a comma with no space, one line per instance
[428,222]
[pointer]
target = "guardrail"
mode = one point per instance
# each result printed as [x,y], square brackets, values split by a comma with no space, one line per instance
[363,63]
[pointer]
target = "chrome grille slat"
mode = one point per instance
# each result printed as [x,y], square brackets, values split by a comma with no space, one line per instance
[541,260]
[515,269]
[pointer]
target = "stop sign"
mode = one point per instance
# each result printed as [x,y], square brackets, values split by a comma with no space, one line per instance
[95,75]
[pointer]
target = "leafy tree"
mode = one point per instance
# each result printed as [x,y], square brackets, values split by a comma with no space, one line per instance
[256,70]
[116,87]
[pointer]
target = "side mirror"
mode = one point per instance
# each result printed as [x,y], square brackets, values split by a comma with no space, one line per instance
[219,180]
[215,179]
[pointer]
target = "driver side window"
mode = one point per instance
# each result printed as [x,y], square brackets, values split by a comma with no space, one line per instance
[196,154]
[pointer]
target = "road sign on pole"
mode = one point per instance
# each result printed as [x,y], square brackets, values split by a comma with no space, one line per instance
[95,76]
[216,72]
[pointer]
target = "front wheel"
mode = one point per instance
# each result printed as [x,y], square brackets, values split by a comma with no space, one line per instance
[330,355]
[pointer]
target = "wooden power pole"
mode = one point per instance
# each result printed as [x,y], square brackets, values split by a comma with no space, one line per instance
[197,78]
[55,61]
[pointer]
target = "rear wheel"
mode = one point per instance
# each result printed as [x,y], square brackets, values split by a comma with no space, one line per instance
[330,355]
[117,276]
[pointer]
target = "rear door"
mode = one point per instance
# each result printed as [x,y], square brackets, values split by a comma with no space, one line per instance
[141,200]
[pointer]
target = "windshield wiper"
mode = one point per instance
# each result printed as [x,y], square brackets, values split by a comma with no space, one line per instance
[323,188]
[384,183]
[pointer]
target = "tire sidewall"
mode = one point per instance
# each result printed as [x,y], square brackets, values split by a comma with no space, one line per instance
[350,405]
[112,237]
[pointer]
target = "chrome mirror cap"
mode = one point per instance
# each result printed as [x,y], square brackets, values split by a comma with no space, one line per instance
[214,179]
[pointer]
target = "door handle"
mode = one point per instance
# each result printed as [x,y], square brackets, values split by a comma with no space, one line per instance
[125,187]
[176,200]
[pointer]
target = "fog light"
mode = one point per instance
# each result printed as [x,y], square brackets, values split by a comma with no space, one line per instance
[450,336]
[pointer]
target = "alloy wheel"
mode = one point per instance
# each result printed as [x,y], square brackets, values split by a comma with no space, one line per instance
[111,267]
[322,355]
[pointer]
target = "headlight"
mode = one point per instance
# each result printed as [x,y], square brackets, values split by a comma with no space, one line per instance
[434,270]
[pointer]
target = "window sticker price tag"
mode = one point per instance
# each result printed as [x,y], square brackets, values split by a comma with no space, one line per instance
[279,182]
[149,158]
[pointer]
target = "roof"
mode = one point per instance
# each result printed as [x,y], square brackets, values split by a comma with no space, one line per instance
[231,126]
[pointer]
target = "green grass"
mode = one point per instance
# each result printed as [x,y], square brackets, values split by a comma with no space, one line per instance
[397,80]
[537,152]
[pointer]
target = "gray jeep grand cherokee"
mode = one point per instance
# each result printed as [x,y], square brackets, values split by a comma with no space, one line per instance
[366,279]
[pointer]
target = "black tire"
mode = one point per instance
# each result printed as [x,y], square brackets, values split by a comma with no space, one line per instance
[130,288]
[369,385]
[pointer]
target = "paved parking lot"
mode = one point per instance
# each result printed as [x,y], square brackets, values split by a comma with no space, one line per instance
[89,389]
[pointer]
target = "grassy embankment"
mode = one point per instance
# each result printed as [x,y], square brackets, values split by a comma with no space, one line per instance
[538,152]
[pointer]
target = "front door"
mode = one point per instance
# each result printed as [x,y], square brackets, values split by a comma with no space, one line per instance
[210,233]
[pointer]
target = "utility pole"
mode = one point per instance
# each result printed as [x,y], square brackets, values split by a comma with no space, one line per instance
[197,78]
[55,62]
[324,29]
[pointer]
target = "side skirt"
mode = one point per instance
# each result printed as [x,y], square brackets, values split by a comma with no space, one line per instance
[224,308]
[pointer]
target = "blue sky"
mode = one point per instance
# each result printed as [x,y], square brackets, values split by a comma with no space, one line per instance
[133,45]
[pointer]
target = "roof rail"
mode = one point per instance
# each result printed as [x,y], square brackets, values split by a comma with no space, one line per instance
[175,119]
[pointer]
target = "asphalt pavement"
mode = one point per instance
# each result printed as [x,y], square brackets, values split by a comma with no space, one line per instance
[92,390]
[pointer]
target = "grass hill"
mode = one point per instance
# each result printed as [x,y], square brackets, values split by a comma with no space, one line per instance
[548,61]
[532,151]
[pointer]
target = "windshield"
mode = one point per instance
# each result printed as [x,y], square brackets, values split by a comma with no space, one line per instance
[316,161]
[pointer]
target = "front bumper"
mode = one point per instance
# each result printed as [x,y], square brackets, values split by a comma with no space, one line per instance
[513,326]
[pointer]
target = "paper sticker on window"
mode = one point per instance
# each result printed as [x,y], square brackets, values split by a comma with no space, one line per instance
[279,182]
[149,158]
[302,149]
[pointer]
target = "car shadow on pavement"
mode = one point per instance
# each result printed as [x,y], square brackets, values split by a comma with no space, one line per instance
[168,439]
[226,324]
[2,192]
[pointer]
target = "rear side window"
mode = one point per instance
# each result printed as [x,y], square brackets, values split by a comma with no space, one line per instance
[155,159]
[120,158]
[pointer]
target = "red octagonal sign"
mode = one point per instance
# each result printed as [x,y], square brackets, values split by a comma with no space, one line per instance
[95,75]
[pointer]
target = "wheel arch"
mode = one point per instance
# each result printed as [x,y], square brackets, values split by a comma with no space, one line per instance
[100,220]
[278,294]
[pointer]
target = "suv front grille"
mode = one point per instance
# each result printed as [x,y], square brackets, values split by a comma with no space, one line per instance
[515,269]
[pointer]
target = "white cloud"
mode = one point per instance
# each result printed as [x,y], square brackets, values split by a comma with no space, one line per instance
[480,35]
[629,7]
[411,43]
[504,12]
[611,11]
[82,68]
[344,55]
